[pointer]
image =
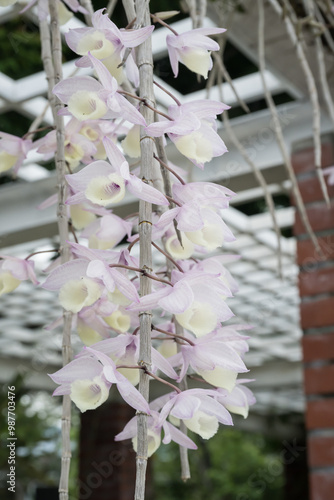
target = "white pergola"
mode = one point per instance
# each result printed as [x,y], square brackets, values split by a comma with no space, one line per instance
[264,300]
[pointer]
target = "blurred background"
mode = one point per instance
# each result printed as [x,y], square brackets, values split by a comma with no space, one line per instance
[284,450]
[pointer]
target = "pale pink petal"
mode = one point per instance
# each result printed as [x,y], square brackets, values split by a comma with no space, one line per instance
[135,37]
[163,364]
[179,300]
[146,192]
[66,88]
[108,81]
[80,368]
[177,436]
[74,269]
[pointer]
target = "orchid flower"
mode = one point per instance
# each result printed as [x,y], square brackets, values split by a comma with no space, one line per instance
[13,271]
[124,350]
[80,283]
[77,147]
[207,353]
[238,400]
[192,130]
[87,380]
[103,184]
[107,231]
[107,43]
[154,434]
[193,49]
[196,299]
[202,226]
[13,150]
[86,98]
[197,408]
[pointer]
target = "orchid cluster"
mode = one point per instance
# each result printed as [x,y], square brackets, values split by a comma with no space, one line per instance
[99,285]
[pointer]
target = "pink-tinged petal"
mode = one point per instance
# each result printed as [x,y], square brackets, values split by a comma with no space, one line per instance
[173,56]
[212,407]
[207,31]
[167,218]
[76,199]
[179,299]
[111,226]
[177,436]
[129,431]
[110,375]
[132,396]
[185,406]
[220,355]
[31,273]
[79,368]
[116,345]
[99,270]
[66,88]
[88,253]
[73,36]
[116,158]
[74,269]
[62,389]
[102,21]
[150,301]
[167,406]
[135,37]
[103,358]
[157,129]
[163,364]
[205,108]
[108,81]
[132,71]
[184,124]
[125,286]
[129,112]
[52,200]
[79,181]
[146,192]
[189,218]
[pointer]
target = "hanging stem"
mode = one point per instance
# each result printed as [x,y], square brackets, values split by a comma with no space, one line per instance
[167,92]
[278,130]
[157,19]
[54,250]
[169,169]
[181,337]
[311,85]
[146,92]
[63,232]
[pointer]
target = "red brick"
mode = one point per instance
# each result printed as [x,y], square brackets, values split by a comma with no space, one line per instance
[321,451]
[307,254]
[303,160]
[320,414]
[318,347]
[317,281]
[319,380]
[311,191]
[317,313]
[321,219]
[322,485]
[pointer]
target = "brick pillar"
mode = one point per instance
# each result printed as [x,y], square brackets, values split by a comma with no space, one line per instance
[106,467]
[316,285]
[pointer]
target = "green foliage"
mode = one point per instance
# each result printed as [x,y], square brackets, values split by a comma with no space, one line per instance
[37,458]
[233,466]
